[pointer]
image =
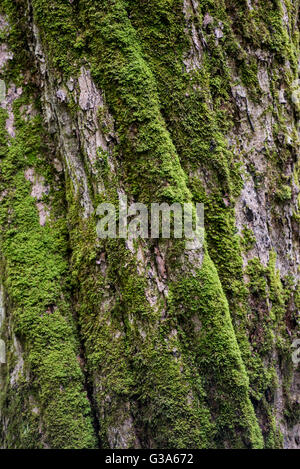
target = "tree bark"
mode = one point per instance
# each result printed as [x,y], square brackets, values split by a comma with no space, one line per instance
[115,343]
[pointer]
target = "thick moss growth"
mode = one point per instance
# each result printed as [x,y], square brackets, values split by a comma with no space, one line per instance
[35,276]
[217,355]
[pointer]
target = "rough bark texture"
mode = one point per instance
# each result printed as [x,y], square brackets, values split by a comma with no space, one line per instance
[119,344]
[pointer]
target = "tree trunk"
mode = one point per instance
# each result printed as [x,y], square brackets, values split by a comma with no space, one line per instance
[120,343]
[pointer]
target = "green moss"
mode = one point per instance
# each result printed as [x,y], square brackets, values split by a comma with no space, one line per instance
[258,282]
[171,129]
[284,193]
[16,38]
[23,429]
[35,273]
[263,27]
[248,239]
[217,356]
[249,76]
[59,32]
[129,349]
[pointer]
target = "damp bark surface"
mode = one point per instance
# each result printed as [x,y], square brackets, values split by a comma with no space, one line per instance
[119,343]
